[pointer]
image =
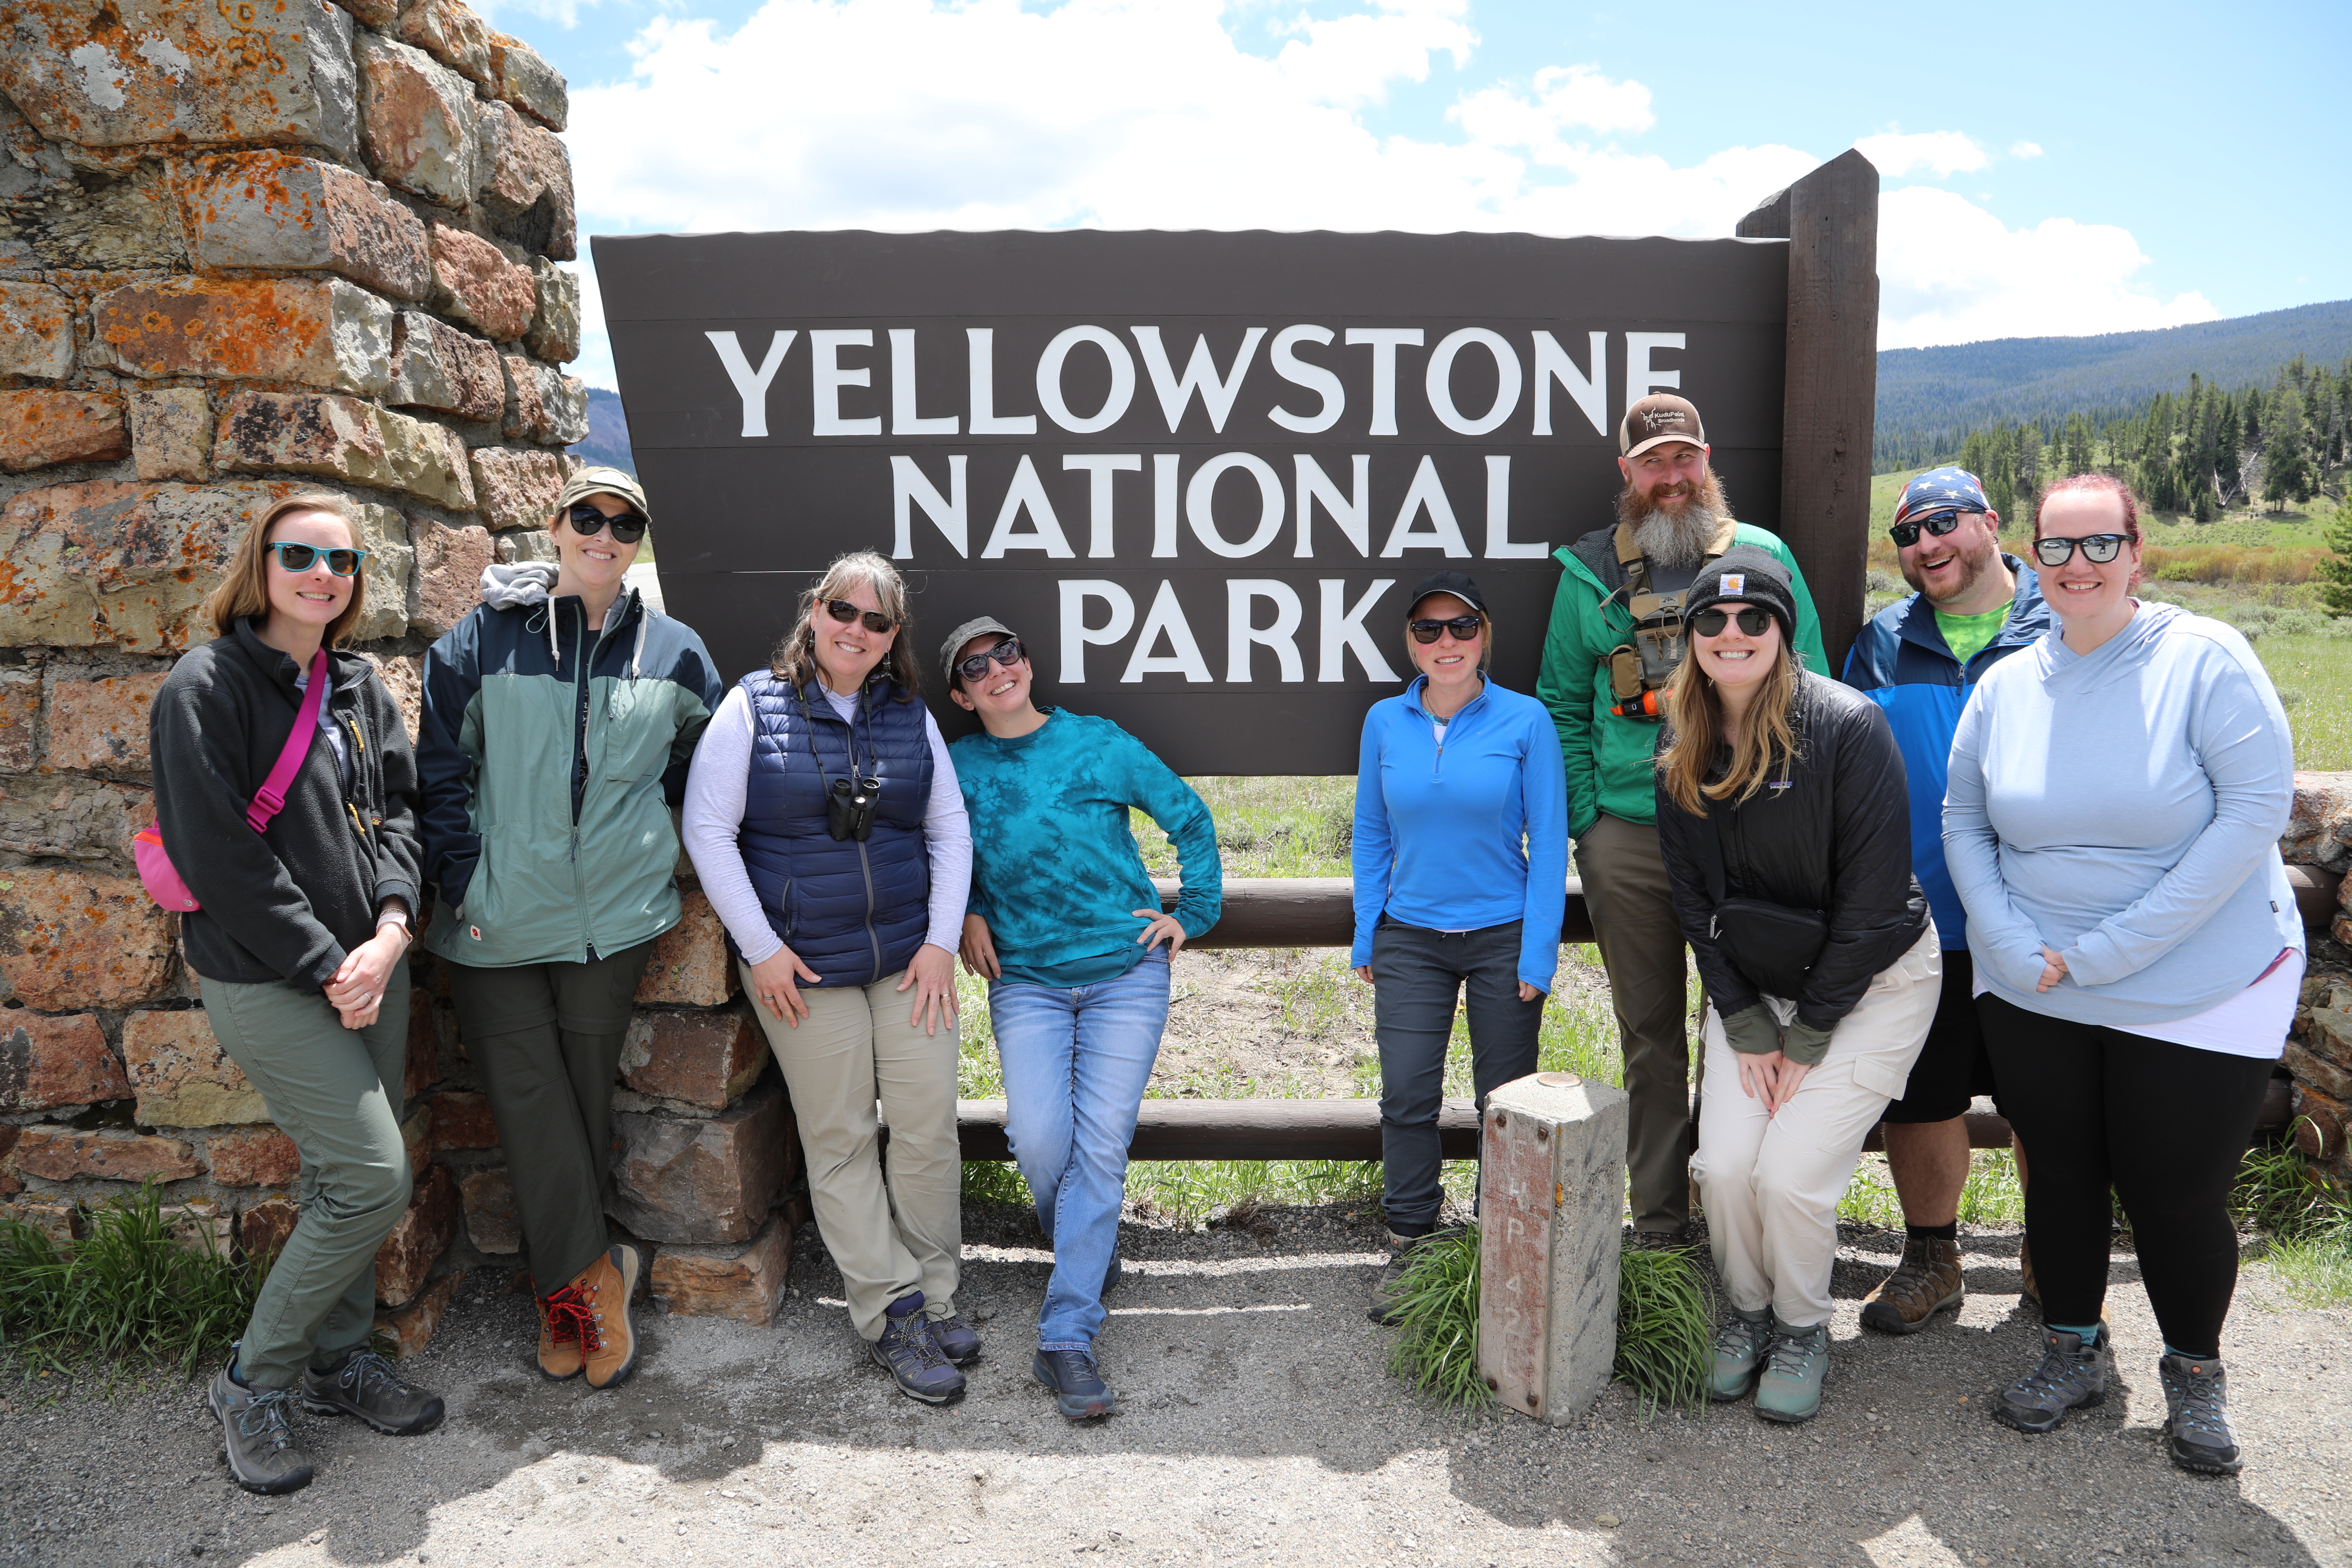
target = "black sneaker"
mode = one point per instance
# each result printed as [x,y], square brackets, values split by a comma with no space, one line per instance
[365,1385]
[955,1339]
[1685,1240]
[909,1353]
[1112,1276]
[2072,1376]
[1388,1296]
[2195,1428]
[257,1429]
[1079,1391]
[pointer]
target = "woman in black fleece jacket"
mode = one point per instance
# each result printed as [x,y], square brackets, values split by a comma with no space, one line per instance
[301,946]
[1782,788]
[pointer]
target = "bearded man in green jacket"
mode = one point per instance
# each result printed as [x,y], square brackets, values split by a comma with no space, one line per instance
[1615,643]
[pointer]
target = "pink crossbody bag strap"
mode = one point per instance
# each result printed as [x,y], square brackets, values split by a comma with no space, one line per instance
[160,878]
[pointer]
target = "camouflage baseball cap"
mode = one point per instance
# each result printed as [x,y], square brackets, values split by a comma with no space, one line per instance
[1657,419]
[604,481]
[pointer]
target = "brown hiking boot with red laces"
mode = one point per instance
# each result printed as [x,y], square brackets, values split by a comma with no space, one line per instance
[558,1334]
[608,1342]
[1926,1283]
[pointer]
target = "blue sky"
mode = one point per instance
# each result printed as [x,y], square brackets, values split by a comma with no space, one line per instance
[2048,169]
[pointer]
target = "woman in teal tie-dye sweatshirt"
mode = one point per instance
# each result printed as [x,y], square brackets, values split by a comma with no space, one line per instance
[1067,928]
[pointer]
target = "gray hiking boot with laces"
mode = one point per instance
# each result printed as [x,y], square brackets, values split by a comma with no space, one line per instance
[363,1384]
[1789,1388]
[2072,1375]
[257,1429]
[1738,1351]
[2195,1427]
[911,1355]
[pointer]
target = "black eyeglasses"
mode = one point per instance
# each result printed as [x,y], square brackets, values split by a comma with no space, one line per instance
[1006,653]
[1709,623]
[1906,534]
[627,527]
[2101,547]
[294,557]
[845,612]
[1464,628]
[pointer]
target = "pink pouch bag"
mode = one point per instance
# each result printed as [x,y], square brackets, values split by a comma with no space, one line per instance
[156,872]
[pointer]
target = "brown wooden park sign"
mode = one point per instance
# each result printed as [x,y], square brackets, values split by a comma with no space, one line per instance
[1201,471]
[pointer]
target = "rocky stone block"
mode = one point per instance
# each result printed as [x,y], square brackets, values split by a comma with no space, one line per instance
[544,403]
[315,332]
[404,676]
[449,563]
[99,724]
[451,33]
[526,182]
[142,72]
[172,433]
[525,79]
[2319,831]
[35,330]
[493,1223]
[474,281]
[275,210]
[391,563]
[462,1120]
[436,366]
[73,937]
[47,1064]
[555,331]
[60,1155]
[526,544]
[407,1257]
[384,15]
[416,1138]
[182,1075]
[262,1157]
[343,439]
[54,1221]
[108,562]
[689,967]
[707,1061]
[200,1227]
[20,716]
[71,818]
[704,1180]
[418,121]
[745,1283]
[262,1228]
[410,1328]
[515,488]
[43,427]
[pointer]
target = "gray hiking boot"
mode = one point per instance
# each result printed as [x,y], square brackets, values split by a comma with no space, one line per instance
[1789,1388]
[2072,1375]
[1740,1347]
[909,1353]
[257,1429]
[1079,1391]
[363,1384]
[2195,1427]
[956,1340]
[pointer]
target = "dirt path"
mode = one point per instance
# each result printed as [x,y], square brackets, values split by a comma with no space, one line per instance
[1259,1427]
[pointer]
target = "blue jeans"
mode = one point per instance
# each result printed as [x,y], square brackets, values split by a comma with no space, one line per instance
[1076,1064]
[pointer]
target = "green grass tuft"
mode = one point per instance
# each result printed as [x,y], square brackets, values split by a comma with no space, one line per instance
[1436,1349]
[1665,1328]
[2308,1220]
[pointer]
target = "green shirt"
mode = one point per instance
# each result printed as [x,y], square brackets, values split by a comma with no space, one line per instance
[1969,635]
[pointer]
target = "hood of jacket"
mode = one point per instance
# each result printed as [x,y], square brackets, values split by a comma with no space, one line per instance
[2064,670]
[510,585]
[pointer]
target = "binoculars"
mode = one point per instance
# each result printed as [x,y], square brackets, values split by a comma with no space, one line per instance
[849,807]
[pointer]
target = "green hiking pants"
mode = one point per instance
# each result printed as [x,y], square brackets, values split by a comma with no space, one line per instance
[336,1092]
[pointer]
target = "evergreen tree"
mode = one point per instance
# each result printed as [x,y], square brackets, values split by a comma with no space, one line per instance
[2336,570]
[2286,465]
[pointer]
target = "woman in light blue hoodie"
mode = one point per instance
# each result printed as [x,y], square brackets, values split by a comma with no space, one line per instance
[1461,868]
[2115,798]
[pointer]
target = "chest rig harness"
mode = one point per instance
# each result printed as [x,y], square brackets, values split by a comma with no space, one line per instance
[1641,670]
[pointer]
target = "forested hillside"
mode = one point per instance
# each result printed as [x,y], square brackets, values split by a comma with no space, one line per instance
[608,432]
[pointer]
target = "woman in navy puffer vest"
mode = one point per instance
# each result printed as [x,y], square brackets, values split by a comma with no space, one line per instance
[824,820]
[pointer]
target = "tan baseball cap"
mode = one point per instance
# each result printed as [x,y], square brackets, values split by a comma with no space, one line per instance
[605,481]
[1658,418]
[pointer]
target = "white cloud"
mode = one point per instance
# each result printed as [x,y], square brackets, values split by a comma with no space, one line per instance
[1565,97]
[2025,149]
[1940,152]
[1951,272]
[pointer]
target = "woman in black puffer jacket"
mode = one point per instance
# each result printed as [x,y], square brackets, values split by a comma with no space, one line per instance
[1787,832]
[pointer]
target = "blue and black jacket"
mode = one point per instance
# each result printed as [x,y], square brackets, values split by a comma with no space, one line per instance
[1901,662]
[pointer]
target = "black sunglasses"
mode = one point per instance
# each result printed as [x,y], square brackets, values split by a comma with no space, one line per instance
[1710,622]
[2101,547]
[1006,653]
[627,527]
[302,557]
[845,612]
[1464,628]
[1906,534]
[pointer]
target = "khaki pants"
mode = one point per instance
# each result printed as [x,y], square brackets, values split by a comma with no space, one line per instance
[892,1231]
[1771,1184]
[1632,909]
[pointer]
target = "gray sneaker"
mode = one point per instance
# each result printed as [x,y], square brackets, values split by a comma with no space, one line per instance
[909,1353]
[257,1429]
[2072,1376]
[955,1339]
[1789,1388]
[2195,1428]
[364,1385]
[1740,1346]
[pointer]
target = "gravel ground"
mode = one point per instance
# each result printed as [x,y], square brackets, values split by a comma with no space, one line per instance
[1259,1426]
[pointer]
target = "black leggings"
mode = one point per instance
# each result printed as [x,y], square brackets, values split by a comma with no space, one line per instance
[2165,1125]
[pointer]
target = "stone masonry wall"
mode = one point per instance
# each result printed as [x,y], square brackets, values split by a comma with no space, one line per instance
[242,249]
[2319,1047]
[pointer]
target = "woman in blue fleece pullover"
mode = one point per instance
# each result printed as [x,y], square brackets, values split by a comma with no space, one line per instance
[1461,868]
[2111,821]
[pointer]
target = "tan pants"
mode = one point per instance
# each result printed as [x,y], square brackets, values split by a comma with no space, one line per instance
[888,1232]
[1632,909]
[1771,1184]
